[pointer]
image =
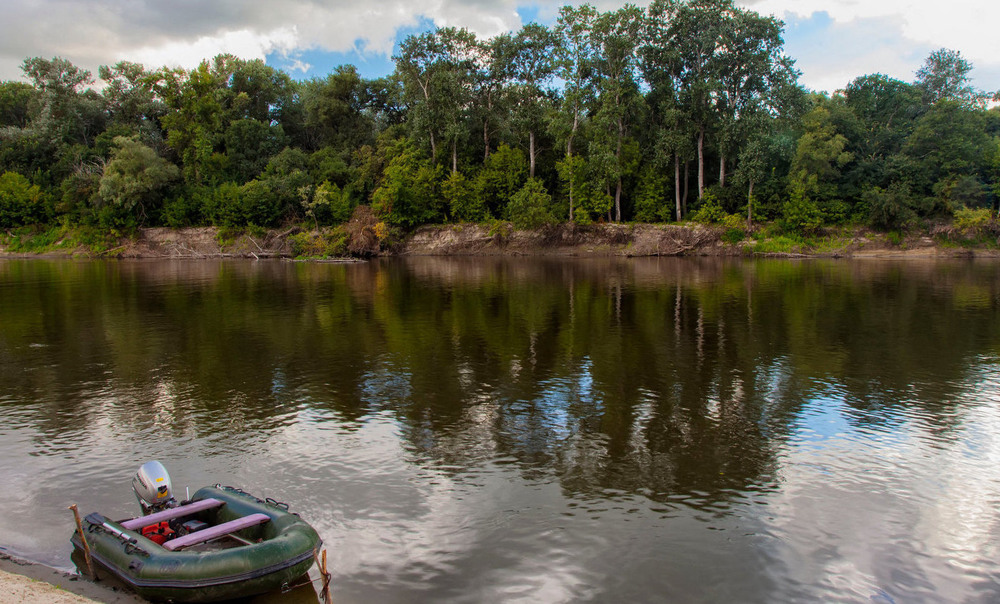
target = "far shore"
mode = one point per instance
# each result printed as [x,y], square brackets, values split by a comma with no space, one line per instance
[564,240]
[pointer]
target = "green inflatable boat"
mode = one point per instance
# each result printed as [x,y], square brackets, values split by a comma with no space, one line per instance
[221,544]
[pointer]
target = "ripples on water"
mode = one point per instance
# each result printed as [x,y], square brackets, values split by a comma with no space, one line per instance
[470,431]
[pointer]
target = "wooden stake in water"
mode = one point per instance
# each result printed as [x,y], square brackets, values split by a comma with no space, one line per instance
[325,595]
[83,540]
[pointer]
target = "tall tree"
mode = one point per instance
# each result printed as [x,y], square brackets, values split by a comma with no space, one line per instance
[820,156]
[65,112]
[574,55]
[753,76]
[945,76]
[491,86]
[950,152]
[334,111]
[685,39]
[135,178]
[886,111]
[131,100]
[532,64]
[194,124]
[615,35]
[668,127]
[15,103]
[437,72]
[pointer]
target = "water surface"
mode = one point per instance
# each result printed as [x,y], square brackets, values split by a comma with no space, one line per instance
[504,430]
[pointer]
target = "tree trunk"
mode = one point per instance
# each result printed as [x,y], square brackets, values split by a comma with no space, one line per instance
[569,155]
[571,201]
[454,156]
[750,206]
[531,153]
[677,186]
[618,200]
[701,162]
[686,188]
[486,140]
[569,159]
[607,189]
[434,150]
[618,160]
[722,169]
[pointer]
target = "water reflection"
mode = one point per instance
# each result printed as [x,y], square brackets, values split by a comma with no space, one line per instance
[504,429]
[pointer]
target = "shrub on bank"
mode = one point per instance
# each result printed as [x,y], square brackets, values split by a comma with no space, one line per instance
[21,203]
[315,244]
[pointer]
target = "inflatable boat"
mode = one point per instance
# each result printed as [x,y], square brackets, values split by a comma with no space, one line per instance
[221,544]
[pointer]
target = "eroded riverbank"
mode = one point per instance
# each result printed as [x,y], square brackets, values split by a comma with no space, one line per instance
[564,240]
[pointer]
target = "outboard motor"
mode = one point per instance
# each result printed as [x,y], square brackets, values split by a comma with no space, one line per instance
[151,486]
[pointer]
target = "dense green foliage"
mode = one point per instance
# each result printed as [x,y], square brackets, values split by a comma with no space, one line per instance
[633,114]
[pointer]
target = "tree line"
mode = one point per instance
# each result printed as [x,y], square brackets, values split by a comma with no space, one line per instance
[686,109]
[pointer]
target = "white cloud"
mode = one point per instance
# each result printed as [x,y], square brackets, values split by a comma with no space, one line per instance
[891,36]
[243,43]
[966,25]
[888,36]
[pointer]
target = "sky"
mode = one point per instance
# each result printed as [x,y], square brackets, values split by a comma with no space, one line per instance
[832,41]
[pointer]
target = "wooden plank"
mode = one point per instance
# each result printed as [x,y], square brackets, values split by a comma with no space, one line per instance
[169,514]
[214,532]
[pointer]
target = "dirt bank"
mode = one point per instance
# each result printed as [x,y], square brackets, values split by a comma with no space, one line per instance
[562,240]
[23,582]
[665,240]
[207,242]
[556,240]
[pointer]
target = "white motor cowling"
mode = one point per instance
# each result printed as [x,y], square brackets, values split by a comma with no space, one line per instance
[152,488]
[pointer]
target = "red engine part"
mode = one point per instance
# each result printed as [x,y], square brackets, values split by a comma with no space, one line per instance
[158,533]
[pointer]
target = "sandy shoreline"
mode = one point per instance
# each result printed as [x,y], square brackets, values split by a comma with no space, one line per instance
[26,582]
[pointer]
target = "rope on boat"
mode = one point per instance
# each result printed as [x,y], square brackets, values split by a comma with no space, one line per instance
[325,577]
[285,587]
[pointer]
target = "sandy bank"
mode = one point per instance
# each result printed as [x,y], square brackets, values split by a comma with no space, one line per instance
[24,582]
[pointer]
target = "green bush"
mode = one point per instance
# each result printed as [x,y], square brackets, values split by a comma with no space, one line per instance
[224,204]
[261,205]
[409,193]
[463,203]
[329,244]
[326,203]
[735,226]
[502,175]
[529,208]
[734,236]
[709,210]
[781,244]
[135,180]
[78,196]
[651,201]
[734,221]
[499,229]
[800,214]
[971,220]
[186,208]
[890,208]
[21,203]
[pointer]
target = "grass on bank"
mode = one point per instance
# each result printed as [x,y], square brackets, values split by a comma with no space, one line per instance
[59,239]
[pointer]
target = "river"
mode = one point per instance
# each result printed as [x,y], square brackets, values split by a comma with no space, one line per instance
[529,430]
